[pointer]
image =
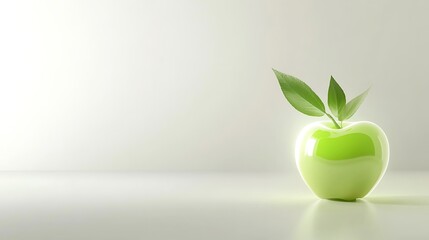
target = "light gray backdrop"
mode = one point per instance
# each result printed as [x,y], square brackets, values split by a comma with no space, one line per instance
[183,85]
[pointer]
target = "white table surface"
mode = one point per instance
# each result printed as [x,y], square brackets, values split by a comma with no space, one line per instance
[77,205]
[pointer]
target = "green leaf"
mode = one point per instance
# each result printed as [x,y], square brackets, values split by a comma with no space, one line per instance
[300,95]
[352,106]
[336,97]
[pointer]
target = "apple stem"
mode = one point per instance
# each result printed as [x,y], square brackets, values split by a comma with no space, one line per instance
[333,120]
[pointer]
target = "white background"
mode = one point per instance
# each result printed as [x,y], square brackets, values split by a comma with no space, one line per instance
[187,85]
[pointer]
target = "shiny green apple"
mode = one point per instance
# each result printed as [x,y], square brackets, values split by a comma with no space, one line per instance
[342,164]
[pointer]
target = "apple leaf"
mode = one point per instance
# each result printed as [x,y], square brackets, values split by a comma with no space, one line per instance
[300,95]
[352,106]
[336,97]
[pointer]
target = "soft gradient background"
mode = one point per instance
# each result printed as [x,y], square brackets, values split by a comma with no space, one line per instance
[183,85]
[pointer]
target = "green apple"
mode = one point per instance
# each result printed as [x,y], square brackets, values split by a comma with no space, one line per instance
[338,160]
[342,164]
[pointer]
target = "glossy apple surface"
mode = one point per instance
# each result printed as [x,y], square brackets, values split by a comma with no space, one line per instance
[342,164]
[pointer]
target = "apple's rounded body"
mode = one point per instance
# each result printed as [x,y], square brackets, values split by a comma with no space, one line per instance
[342,164]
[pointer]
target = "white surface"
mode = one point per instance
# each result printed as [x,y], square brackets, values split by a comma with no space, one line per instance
[186,85]
[44,206]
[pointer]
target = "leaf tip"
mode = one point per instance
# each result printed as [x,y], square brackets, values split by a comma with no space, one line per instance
[275,71]
[333,80]
[367,91]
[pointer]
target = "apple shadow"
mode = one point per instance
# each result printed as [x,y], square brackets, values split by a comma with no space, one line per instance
[405,200]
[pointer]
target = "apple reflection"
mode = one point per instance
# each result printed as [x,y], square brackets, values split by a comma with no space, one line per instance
[339,220]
